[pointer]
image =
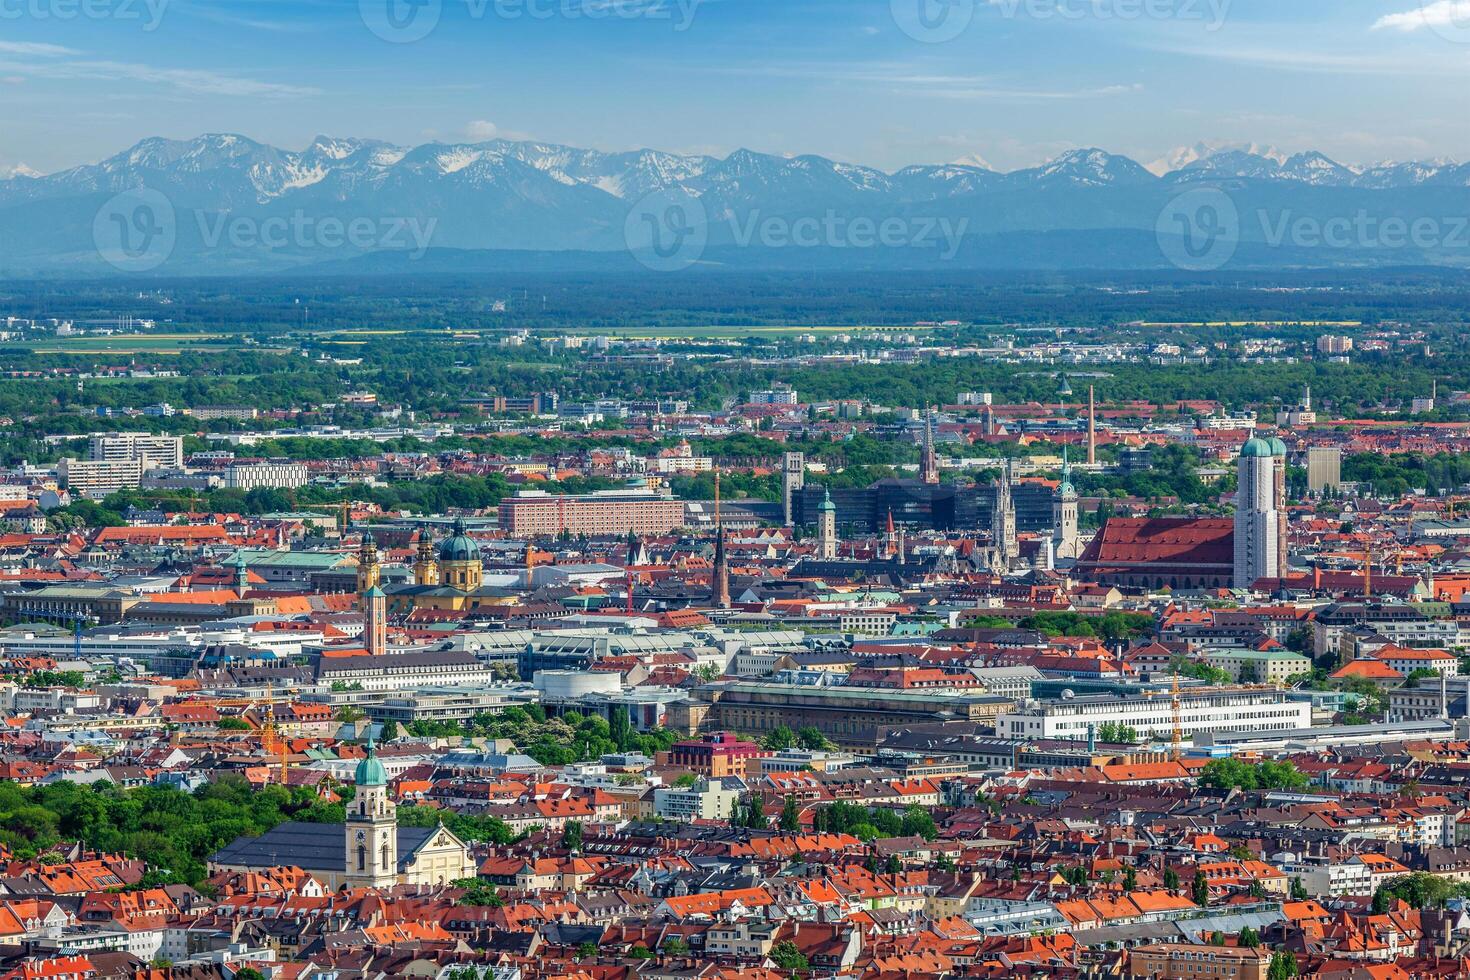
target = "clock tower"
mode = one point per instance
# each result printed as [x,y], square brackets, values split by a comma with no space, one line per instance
[372,828]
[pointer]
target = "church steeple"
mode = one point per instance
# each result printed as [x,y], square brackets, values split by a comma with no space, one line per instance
[1064,514]
[826,526]
[425,567]
[372,828]
[1003,520]
[369,570]
[929,462]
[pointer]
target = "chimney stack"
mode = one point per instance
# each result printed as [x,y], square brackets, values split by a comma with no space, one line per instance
[1091,426]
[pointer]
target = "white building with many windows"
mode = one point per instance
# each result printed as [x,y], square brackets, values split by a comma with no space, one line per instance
[1227,710]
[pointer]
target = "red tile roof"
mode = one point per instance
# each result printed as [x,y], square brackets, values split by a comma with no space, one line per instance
[1163,540]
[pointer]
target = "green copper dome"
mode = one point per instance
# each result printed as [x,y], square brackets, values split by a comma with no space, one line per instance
[1255,448]
[1278,448]
[826,503]
[370,771]
[459,546]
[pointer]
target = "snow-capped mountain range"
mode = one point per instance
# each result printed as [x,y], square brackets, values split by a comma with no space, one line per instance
[521,195]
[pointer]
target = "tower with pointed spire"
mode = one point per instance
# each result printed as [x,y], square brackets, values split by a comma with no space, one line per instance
[1003,520]
[826,527]
[929,462]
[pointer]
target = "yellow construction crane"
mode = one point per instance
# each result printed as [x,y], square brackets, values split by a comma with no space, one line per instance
[270,736]
[272,743]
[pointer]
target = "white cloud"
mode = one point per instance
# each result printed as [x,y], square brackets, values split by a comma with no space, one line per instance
[1436,14]
[35,49]
[480,130]
[191,80]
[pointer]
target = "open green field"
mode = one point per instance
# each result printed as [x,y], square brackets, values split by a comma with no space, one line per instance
[715,332]
[143,343]
[180,342]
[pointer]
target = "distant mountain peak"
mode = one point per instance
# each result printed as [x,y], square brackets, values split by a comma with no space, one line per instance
[974,160]
[1183,156]
[506,195]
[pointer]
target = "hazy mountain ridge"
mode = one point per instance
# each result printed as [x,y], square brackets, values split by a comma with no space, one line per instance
[504,194]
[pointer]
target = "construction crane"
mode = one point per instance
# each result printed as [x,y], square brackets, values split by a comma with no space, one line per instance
[271,739]
[272,742]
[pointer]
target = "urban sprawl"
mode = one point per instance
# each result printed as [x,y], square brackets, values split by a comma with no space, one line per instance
[540,686]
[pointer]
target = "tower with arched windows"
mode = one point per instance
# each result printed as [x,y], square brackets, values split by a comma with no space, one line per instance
[372,828]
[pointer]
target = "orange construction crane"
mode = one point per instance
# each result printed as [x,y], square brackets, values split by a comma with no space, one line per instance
[270,736]
[272,742]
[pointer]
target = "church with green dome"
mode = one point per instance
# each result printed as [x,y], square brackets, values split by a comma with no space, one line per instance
[449,577]
[368,850]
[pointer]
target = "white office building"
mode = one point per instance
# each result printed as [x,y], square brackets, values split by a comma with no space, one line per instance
[1220,710]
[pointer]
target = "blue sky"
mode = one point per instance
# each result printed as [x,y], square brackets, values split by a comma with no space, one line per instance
[867,81]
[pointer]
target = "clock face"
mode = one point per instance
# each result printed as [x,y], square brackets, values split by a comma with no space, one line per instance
[361,836]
